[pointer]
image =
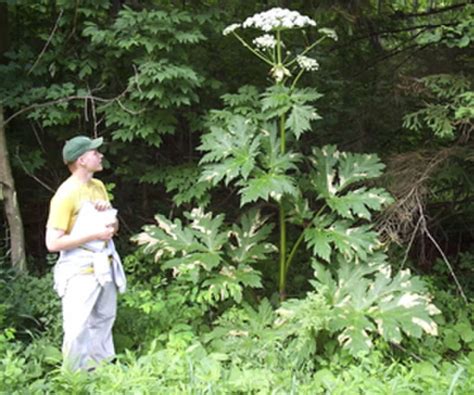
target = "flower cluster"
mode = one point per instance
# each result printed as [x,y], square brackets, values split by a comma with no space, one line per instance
[308,64]
[328,33]
[278,18]
[229,29]
[267,41]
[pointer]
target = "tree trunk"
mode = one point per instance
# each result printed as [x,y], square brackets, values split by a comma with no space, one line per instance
[7,185]
[12,210]
[4,36]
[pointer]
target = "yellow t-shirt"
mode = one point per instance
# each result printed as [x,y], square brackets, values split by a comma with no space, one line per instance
[68,199]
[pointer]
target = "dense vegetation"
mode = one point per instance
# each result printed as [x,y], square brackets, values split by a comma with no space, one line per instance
[295,195]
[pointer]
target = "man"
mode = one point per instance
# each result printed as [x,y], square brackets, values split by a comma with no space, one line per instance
[81,225]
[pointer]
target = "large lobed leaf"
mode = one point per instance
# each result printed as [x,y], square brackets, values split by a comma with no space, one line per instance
[326,235]
[294,104]
[367,300]
[200,252]
[230,152]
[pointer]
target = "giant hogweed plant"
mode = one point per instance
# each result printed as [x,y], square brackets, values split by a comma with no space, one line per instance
[257,151]
[252,144]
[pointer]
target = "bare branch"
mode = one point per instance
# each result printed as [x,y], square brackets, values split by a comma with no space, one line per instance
[42,183]
[445,259]
[399,15]
[66,100]
[47,42]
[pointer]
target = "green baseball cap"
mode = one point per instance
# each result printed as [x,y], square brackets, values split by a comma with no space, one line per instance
[79,145]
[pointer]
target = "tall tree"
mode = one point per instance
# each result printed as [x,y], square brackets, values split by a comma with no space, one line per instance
[7,185]
[10,201]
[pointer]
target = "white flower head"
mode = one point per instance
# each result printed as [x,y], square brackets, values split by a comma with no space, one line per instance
[229,29]
[328,33]
[307,64]
[278,18]
[267,41]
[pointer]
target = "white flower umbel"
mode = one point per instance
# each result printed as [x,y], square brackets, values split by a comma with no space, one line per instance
[307,64]
[265,42]
[278,19]
[330,33]
[229,29]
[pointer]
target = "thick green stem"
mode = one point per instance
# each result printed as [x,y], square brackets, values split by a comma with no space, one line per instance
[282,135]
[296,79]
[282,222]
[300,239]
[282,252]
[282,214]
[293,251]
[278,45]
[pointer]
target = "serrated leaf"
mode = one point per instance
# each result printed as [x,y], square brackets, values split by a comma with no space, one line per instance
[354,243]
[300,118]
[358,202]
[266,186]
[235,149]
[229,281]
[357,167]
[367,294]
[247,241]
[324,160]
[320,241]
[207,229]
[276,100]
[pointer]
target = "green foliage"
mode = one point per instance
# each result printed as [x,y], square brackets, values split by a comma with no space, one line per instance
[235,149]
[288,349]
[202,256]
[367,299]
[327,235]
[161,78]
[180,181]
[448,110]
[300,322]
[336,171]
[334,178]
[143,73]
[246,334]
[156,311]
[459,34]
[30,304]
[280,100]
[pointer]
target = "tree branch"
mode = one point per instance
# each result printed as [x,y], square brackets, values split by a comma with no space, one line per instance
[399,15]
[71,98]
[47,42]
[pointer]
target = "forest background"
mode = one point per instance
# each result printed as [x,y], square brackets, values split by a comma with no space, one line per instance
[288,224]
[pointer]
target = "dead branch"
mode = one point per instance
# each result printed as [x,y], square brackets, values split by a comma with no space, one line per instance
[402,222]
[47,42]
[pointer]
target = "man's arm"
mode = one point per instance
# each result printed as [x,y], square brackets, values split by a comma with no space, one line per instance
[58,240]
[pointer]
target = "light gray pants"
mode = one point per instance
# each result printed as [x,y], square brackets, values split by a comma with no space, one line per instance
[89,311]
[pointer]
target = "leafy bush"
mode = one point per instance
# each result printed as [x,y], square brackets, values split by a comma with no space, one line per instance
[30,304]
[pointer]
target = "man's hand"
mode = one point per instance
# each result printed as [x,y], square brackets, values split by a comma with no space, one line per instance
[106,233]
[102,205]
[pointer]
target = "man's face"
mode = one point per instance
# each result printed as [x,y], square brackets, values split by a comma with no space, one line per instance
[91,161]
